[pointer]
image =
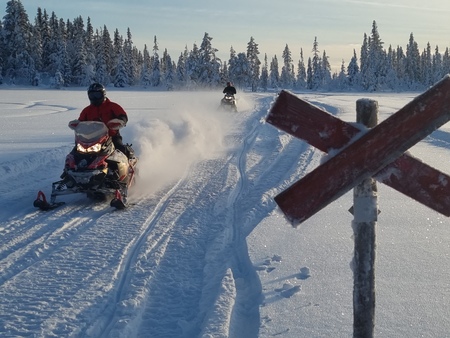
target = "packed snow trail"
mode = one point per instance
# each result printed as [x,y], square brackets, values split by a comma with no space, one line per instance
[178,262]
[175,264]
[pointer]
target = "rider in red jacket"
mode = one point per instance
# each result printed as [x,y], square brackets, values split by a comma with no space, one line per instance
[103,109]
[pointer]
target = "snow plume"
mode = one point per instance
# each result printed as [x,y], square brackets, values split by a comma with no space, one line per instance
[167,145]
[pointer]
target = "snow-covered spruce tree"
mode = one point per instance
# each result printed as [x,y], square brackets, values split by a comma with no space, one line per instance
[36,53]
[412,64]
[100,72]
[105,59]
[181,77]
[286,77]
[130,58]
[353,75]
[252,57]
[17,35]
[107,51]
[446,62]
[146,68]
[375,76]
[293,75]
[209,64]
[62,75]
[38,31]
[300,82]
[169,70]
[155,63]
[339,81]
[89,45]
[76,49]
[49,35]
[57,81]
[376,61]
[364,62]
[116,51]
[163,65]
[309,75]
[391,78]
[243,71]
[232,66]
[60,70]
[2,50]
[437,70]
[192,67]
[121,78]
[224,74]
[316,75]
[264,79]
[274,74]
[426,60]
[326,71]
[398,64]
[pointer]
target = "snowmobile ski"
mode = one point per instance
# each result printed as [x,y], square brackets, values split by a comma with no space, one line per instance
[118,202]
[41,202]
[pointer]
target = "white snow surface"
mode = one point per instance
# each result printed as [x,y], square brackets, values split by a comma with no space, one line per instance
[203,251]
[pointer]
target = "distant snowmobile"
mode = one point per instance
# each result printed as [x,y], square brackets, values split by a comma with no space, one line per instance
[94,167]
[228,102]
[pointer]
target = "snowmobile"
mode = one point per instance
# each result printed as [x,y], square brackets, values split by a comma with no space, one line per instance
[228,102]
[94,167]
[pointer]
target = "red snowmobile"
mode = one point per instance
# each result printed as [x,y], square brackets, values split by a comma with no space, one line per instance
[94,167]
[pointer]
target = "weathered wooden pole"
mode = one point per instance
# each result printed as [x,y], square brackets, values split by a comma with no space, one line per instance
[381,153]
[365,212]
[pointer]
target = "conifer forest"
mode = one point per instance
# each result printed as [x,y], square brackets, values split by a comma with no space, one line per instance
[56,52]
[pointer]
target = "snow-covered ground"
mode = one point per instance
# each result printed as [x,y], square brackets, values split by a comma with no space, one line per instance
[204,251]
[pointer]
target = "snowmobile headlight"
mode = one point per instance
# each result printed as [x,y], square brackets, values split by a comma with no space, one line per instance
[92,149]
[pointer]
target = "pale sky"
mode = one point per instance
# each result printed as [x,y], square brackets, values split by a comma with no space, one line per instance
[339,25]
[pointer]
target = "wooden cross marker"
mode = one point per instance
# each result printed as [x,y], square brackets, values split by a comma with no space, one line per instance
[378,152]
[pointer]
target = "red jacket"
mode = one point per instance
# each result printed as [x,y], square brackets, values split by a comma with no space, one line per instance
[107,111]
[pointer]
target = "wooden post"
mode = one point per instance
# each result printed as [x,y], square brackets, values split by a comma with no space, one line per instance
[365,212]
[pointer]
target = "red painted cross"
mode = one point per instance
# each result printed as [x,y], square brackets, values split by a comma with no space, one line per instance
[379,152]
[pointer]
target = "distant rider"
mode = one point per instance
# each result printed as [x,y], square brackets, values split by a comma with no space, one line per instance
[103,109]
[229,89]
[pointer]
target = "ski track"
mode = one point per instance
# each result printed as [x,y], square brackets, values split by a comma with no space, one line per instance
[152,242]
[97,272]
[439,138]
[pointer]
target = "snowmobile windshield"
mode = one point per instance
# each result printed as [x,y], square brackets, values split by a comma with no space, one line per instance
[90,131]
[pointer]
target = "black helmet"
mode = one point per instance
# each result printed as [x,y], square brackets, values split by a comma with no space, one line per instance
[229,84]
[96,93]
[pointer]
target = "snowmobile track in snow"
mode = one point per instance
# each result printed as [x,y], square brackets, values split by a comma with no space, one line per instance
[106,271]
